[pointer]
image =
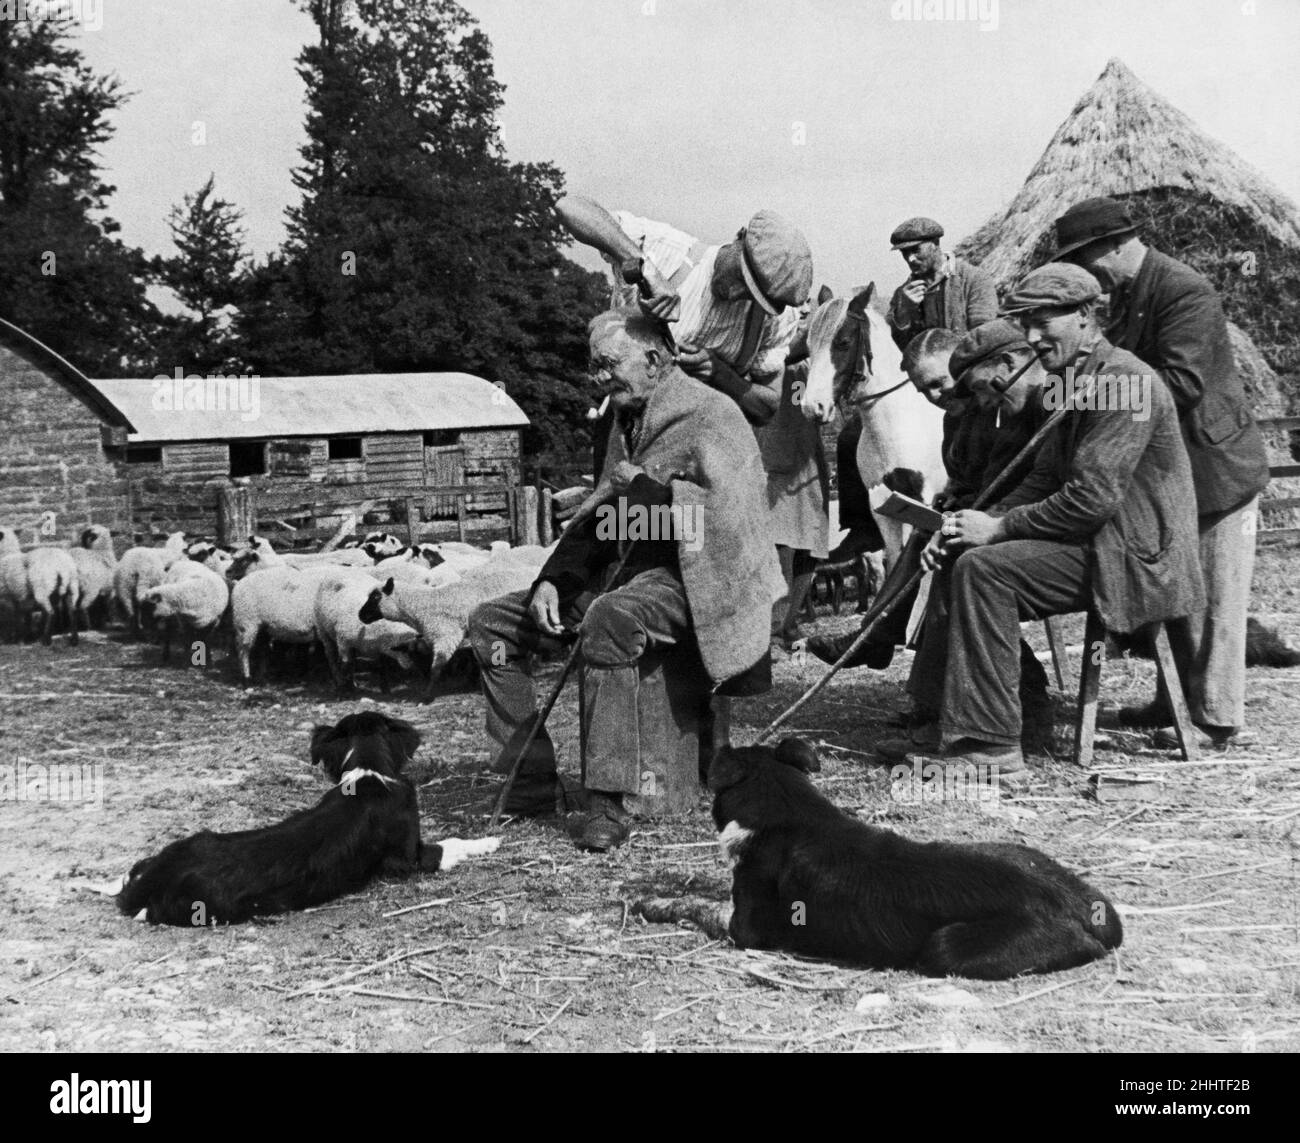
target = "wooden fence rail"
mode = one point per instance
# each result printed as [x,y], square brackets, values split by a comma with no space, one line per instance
[1279,472]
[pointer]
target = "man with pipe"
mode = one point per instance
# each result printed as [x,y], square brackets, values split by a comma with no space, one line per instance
[683,485]
[1003,381]
[1105,519]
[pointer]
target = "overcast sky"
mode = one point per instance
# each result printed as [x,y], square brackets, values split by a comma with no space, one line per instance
[833,112]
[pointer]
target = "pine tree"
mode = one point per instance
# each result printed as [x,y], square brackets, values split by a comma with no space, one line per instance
[67,279]
[417,245]
[207,276]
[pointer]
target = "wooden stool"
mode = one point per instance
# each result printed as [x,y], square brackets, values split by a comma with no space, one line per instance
[1094,654]
[1060,661]
[680,726]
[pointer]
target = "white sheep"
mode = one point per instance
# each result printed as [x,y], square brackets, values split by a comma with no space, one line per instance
[140,569]
[191,595]
[441,615]
[96,566]
[267,556]
[416,571]
[339,599]
[44,578]
[456,556]
[278,601]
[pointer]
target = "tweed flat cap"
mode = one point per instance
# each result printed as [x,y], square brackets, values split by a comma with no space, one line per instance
[983,342]
[914,231]
[1089,220]
[1058,285]
[775,261]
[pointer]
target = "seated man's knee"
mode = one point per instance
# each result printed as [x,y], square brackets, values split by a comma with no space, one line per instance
[488,626]
[611,635]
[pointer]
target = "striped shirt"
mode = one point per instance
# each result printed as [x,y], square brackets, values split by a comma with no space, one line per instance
[703,320]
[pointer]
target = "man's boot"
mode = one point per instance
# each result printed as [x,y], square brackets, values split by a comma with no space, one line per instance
[829,648]
[607,825]
[537,783]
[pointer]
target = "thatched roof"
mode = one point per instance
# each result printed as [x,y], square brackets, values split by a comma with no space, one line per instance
[1123,138]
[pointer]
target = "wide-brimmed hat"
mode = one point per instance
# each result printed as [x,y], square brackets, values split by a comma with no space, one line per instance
[1058,285]
[915,231]
[1088,221]
[775,261]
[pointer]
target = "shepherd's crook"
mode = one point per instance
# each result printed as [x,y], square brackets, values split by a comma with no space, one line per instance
[883,607]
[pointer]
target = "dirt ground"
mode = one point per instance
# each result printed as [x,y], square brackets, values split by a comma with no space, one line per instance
[533,949]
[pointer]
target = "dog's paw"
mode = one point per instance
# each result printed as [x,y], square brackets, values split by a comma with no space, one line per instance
[455,849]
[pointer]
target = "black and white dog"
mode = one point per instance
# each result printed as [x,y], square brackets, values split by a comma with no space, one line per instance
[810,879]
[367,824]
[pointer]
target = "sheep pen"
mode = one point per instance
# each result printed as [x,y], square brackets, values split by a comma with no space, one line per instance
[535,948]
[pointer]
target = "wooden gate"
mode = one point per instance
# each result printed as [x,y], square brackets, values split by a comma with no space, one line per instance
[444,465]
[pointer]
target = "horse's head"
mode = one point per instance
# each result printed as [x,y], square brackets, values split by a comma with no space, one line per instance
[839,352]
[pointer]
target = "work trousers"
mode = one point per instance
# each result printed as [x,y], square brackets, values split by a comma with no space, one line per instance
[1209,646]
[929,673]
[616,628]
[994,589]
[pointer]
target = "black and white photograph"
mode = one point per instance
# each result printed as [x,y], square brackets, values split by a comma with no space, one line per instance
[650,526]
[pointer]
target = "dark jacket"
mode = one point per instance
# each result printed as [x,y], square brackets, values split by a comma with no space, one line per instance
[1122,486]
[964,299]
[976,448]
[1171,317]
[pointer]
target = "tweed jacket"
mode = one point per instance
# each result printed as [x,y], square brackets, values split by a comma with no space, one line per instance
[1122,486]
[1171,317]
[962,298]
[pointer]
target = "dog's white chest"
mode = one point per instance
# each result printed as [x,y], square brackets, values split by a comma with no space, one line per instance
[732,841]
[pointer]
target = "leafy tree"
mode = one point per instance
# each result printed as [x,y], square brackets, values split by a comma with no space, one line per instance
[67,279]
[417,245]
[207,275]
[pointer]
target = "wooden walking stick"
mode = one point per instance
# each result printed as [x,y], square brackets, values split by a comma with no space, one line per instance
[882,608]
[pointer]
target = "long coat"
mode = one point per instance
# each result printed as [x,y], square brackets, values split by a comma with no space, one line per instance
[1122,485]
[1171,317]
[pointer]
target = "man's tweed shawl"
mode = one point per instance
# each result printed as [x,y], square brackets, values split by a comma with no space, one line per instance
[697,440]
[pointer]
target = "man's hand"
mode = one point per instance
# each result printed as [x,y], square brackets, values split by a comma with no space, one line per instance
[545,609]
[933,556]
[970,529]
[623,474]
[914,290]
[695,361]
[656,297]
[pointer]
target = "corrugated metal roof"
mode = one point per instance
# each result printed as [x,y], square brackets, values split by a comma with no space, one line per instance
[232,408]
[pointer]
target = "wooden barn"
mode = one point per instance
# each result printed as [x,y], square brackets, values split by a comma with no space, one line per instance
[399,449]
[56,428]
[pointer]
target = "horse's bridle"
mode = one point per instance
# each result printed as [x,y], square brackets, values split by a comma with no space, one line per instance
[864,357]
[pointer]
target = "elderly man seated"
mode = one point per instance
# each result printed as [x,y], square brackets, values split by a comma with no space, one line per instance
[1105,519]
[683,488]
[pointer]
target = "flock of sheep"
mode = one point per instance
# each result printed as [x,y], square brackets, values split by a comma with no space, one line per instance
[256,594]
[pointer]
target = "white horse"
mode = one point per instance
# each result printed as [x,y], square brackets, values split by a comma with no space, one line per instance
[901,447]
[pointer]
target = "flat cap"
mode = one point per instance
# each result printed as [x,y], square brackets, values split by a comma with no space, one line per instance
[1089,220]
[1058,285]
[985,341]
[913,231]
[775,262]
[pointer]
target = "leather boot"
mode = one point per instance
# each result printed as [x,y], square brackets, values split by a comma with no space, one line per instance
[828,648]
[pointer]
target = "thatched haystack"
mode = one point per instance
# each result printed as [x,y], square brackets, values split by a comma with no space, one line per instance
[1190,195]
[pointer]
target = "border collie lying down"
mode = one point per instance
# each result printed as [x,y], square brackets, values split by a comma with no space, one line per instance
[810,879]
[367,824]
